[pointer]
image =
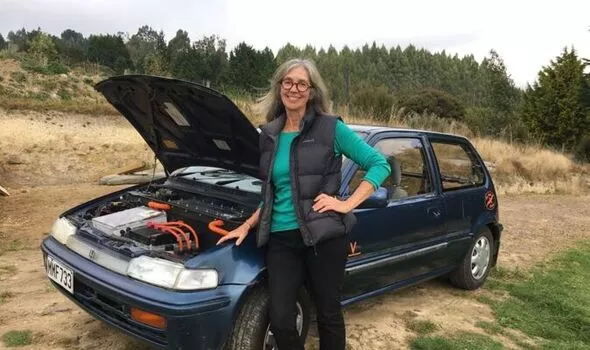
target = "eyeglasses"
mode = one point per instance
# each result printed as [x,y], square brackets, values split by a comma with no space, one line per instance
[301,86]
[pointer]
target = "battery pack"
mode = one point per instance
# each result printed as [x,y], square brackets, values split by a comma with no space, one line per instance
[113,224]
[150,237]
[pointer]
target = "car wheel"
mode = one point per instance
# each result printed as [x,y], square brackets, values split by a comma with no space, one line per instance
[475,267]
[252,327]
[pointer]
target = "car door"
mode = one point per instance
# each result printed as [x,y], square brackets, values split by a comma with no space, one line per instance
[391,244]
[462,181]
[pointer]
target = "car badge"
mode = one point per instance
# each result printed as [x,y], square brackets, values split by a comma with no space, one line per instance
[490,200]
[92,254]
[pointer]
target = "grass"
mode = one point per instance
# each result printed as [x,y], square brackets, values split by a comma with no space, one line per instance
[79,106]
[4,296]
[552,305]
[17,338]
[13,245]
[490,327]
[9,269]
[463,341]
[421,327]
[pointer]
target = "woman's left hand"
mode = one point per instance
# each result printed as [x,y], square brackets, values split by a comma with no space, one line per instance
[323,203]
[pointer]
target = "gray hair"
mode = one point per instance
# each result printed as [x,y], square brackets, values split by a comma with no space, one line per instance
[271,106]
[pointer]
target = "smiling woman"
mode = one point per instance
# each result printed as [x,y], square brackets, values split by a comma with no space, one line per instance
[300,219]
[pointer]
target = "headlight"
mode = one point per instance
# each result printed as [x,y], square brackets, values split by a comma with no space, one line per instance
[171,275]
[62,229]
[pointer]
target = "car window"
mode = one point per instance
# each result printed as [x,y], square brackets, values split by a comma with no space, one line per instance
[459,167]
[406,157]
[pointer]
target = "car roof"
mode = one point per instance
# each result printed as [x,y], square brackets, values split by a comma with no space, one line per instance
[374,129]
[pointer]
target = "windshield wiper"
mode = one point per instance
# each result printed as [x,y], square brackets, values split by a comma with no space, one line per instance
[205,172]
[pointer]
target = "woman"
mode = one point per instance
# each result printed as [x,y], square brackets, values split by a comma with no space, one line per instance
[300,217]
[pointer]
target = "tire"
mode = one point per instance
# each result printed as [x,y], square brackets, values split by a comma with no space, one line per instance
[251,328]
[475,266]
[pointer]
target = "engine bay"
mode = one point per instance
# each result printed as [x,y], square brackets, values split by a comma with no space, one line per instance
[160,220]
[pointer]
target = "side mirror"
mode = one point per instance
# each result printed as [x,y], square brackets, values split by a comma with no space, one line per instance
[377,200]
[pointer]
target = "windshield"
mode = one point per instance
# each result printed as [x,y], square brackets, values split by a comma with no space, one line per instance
[229,178]
[219,177]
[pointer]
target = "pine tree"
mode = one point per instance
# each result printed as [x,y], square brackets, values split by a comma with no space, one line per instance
[557,107]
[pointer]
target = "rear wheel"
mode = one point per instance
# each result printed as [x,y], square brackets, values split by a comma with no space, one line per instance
[475,267]
[252,327]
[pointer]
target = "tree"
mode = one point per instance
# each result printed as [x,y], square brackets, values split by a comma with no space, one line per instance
[71,46]
[178,46]
[110,51]
[433,101]
[557,107]
[497,110]
[249,69]
[286,53]
[21,38]
[2,42]
[40,50]
[148,51]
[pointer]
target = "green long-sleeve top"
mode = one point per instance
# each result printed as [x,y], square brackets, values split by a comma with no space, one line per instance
[347,143]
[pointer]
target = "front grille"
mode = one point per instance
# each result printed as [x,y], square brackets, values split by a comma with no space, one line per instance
[115,312]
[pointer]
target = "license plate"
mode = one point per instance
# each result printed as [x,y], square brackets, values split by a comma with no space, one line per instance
[62,275]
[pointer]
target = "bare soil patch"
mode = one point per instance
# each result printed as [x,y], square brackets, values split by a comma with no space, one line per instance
[536,227]
[56,148]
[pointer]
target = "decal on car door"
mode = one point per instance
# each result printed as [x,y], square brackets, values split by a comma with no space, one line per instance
[490,200]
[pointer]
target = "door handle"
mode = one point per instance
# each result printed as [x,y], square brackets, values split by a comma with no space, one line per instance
[434,212]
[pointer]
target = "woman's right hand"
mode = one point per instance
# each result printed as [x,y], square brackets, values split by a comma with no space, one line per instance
[239,232]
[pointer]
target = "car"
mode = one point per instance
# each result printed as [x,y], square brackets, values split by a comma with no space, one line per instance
[145,260]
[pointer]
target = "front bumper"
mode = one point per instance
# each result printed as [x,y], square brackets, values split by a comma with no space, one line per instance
[195,320]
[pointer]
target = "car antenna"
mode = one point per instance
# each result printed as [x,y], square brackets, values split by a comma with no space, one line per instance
[153,172]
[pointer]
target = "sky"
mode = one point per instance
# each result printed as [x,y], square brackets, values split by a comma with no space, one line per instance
[527,34]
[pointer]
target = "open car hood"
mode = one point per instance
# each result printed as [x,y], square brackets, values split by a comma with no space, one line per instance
[185,123]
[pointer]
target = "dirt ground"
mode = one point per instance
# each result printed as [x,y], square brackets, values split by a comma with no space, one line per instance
[535,227]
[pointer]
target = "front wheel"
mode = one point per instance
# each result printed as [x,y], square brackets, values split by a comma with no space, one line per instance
[252,327]
[475,267]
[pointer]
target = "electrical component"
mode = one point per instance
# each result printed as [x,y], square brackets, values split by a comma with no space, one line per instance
[113,224]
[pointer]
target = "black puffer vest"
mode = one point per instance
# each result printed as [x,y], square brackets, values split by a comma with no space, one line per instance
[314,169]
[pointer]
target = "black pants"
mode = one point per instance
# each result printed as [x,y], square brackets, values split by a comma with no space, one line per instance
[290,264]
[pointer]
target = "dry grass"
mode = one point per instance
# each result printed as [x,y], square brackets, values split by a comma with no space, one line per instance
[69,106]
[532,169]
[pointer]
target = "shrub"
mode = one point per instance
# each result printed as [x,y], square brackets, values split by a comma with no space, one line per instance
[377,102]
[56,68]
[64,94]
[582,150]
[432,101]
[17,338]
[19,77]
[49,85]
[487,121]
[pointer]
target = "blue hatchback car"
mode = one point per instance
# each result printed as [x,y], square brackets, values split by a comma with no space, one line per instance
[145,259]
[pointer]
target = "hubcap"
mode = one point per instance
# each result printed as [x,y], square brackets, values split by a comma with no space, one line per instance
[480,257]
[269,339]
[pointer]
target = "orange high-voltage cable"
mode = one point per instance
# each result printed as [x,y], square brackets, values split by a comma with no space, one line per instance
[215,226]
[165,229]
[181,223]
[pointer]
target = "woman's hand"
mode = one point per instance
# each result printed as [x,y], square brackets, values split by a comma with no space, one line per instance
[323,203]
[239,232]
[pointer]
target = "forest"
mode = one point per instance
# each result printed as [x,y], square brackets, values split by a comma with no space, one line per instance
[374,81]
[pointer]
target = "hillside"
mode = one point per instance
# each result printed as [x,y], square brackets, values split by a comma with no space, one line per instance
[55,129]
[72,92]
